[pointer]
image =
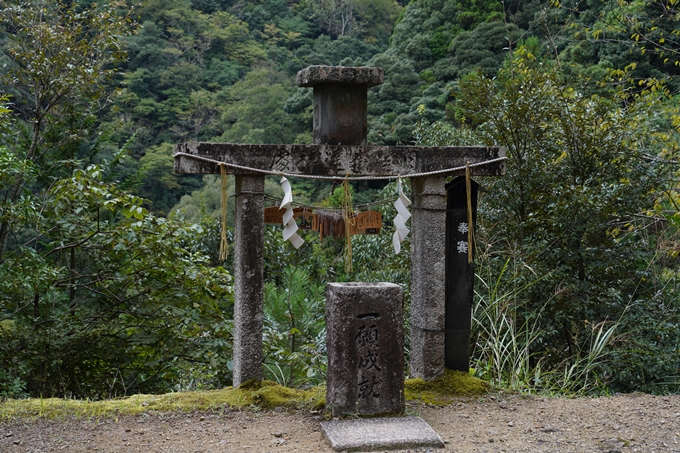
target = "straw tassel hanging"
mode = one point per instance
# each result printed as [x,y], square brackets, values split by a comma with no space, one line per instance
[347,216]
[224,247]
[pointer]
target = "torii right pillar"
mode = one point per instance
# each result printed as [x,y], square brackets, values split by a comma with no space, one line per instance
[441,279]
[428,276]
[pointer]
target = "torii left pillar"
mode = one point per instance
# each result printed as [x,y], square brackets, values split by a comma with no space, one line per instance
[248,278]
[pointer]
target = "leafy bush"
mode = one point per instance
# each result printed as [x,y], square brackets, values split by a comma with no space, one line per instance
[590,303]
[120,307]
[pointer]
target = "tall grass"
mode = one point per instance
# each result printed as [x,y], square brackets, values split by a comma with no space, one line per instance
[503,333]
[506,342]
[578,375]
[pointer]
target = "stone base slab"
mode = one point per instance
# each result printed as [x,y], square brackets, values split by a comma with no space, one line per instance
[374,434]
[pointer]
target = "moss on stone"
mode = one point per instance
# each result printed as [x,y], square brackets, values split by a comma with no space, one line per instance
[442,390]
[265,395]
[271,395]
[252,384]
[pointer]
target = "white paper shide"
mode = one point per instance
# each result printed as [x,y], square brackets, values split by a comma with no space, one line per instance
[403,215]
[289,225]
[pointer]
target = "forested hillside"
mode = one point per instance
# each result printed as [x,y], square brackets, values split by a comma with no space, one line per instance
[110,281]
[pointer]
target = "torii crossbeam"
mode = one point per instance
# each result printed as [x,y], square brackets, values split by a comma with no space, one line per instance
[340,106]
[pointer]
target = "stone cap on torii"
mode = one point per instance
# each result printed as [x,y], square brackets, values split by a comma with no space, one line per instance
[317,75]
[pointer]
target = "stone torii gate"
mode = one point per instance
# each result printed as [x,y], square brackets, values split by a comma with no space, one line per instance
[340,149]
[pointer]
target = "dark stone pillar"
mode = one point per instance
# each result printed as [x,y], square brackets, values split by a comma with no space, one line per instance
[365,342]
[428,276]
[248,278]
[340,114]
[460,275]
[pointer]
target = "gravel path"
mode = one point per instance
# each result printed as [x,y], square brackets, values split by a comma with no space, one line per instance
[621,423]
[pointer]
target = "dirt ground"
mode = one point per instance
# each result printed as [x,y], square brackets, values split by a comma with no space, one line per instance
[500,423]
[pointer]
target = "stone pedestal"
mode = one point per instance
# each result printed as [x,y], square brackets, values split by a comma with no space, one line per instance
[248,278]
[428,276]
[365,343]
[340,95]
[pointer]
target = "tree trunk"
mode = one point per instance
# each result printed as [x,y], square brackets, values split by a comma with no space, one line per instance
[72,289]
[4,227]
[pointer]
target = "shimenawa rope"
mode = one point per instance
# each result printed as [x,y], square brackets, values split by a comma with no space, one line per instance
[336,178]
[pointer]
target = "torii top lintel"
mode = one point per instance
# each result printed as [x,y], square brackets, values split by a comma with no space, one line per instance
[339,149]
[337,160]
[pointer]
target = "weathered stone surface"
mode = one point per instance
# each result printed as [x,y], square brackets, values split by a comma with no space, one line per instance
[248,278]
[338,160]
[340,101]
[340,115]
[427,352]
[365,343]
[373,434]
[316,75]
[428,276]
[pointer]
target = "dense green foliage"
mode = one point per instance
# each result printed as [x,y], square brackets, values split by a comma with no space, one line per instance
[576,176]
[99,297]
[110,278]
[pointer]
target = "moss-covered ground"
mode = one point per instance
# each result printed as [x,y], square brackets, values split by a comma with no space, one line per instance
[453,384]
[265,395]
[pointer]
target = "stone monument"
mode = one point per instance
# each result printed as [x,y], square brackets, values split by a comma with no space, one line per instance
[365,342]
